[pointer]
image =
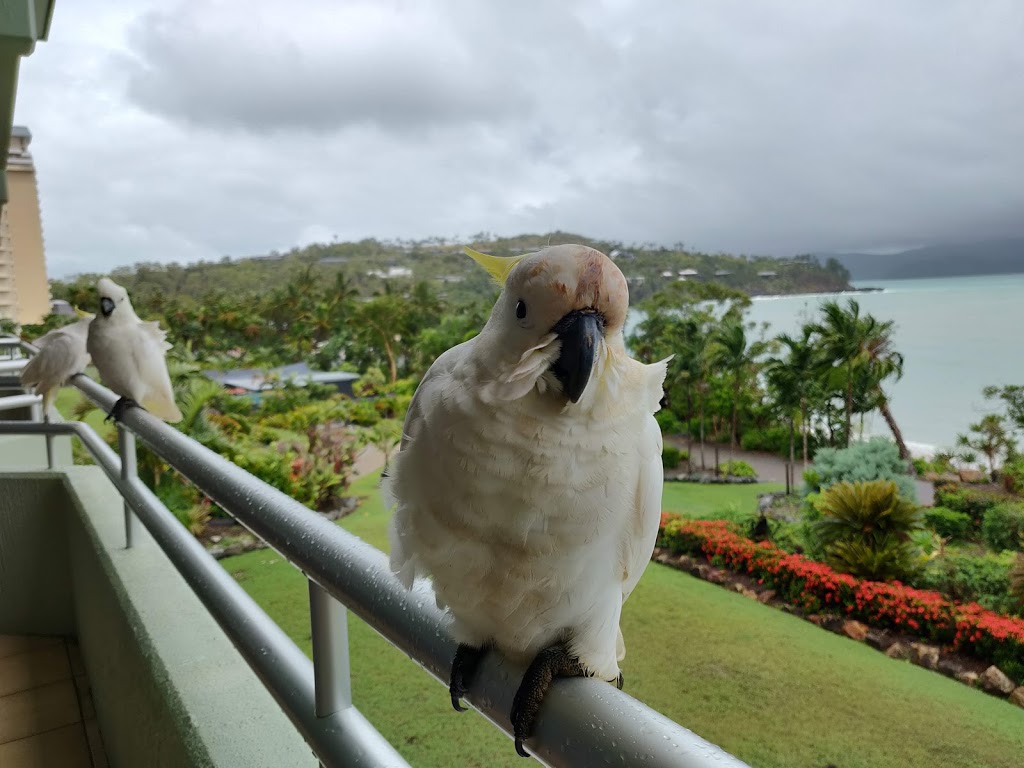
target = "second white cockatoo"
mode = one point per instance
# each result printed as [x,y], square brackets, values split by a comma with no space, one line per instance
[528,482]
[130,355]
[62,354]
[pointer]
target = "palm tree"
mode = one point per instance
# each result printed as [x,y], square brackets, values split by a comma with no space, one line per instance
[732,351]
[882,362]
[840,338]
[792,378]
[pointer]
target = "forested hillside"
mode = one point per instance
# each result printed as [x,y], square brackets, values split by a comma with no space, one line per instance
[369,264]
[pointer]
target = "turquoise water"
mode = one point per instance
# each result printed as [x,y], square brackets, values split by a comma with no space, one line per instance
[957,335]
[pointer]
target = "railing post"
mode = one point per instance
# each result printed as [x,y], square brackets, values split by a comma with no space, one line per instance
[129,469]
[328,622]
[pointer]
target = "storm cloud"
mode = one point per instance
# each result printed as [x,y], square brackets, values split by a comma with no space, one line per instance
[177,131]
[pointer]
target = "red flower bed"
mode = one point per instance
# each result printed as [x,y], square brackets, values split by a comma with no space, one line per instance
[814,586]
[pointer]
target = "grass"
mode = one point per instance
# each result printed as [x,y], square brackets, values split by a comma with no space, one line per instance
[774,690]
[715,502]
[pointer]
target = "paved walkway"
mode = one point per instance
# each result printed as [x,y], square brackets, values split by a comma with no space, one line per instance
[772,469]
[370,459]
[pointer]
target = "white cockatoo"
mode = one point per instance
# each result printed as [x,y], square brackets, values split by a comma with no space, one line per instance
[61,355]
[130,355]
[529,477]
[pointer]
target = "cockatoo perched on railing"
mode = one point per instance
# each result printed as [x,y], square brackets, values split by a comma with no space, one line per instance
[61,355]
[131,355]
[528,481]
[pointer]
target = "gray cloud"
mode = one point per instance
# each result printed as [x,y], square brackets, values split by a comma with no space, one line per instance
[197,130]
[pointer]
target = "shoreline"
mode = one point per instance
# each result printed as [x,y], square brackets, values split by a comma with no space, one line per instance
[837,292]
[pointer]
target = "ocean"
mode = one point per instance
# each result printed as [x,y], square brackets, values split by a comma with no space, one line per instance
[957,335]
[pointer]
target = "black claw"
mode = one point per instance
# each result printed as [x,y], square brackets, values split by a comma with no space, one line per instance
[620,681]
[519,747]
[464,666]
[122,405]
[550,663]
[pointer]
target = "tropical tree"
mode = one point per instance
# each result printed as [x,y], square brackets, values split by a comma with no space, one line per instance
[990,437]
[865,529]
[881,362]
[840,339]
[738,357]
[792,380]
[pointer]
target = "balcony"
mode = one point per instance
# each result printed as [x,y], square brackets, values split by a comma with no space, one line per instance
[185,669]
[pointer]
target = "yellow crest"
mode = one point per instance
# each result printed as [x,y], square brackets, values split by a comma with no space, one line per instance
[497,267]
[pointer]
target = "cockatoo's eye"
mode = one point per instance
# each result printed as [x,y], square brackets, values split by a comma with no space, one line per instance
[520,309]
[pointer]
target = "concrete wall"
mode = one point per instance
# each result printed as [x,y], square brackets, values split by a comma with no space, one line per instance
[169,688]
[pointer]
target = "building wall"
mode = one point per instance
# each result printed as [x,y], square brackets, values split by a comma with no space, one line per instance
[24,290]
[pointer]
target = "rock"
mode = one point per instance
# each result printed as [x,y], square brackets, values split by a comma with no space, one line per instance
[973,476]
[716,576]
[925,655]
[684,562]
[749,593]
[216,539]
[738,586]
[898,651]
[815,619]
[767,596]
[832,624]
[994,680]
[1017,697]
[968,678]
[879,639]
[855,630]
[951,666]
[663,558]
[703,571]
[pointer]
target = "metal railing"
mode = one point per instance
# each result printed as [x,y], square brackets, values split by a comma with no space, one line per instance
[584,722]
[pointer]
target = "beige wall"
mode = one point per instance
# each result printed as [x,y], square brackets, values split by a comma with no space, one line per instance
[24,291]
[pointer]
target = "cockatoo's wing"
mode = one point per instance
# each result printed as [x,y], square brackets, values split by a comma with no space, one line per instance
[60,357]
[148,349]
[642,529]
[152,327]
[433,384]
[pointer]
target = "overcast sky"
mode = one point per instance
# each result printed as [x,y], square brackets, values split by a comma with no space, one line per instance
[177,131]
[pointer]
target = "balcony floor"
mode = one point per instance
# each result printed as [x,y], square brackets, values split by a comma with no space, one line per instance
[46,712]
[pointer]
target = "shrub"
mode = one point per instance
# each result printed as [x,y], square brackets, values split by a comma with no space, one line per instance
[948,522]
[737,468]
[972,502]
[671,457]
[773,439]
[875,459]
[1003,526]
[968,578]
[865,529]
[1017,579]
[814,586]
[669,422]
[1012,475]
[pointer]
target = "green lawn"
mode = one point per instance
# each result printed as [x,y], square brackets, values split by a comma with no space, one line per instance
[772,689]
[714,502]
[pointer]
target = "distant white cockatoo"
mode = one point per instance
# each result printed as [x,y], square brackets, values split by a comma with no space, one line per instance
[61,355]
[130,355]
[528,481]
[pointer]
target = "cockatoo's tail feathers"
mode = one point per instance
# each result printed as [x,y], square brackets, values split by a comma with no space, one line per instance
[498,267]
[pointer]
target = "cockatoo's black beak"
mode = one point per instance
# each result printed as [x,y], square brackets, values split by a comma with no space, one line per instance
[579,331]
[106,306]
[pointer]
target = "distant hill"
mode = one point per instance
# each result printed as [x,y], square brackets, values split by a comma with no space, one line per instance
[371,266]
[993,257]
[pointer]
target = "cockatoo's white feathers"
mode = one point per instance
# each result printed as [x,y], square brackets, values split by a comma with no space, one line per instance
[130,354]
[62,354]
[533,515]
